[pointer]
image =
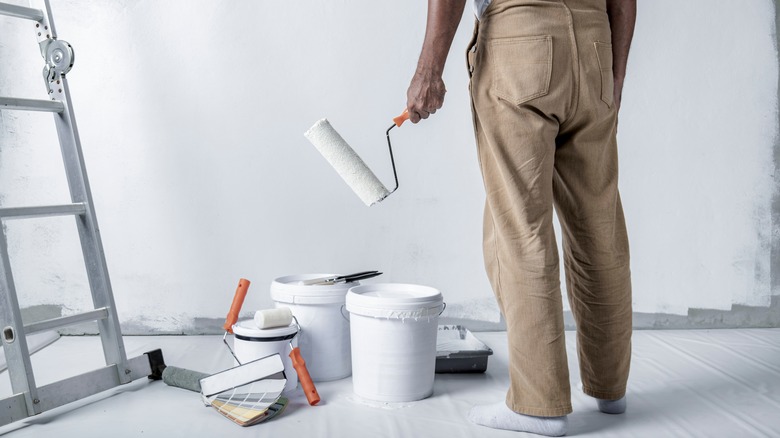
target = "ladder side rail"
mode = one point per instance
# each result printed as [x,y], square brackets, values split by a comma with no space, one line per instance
[89,232]
[48,18]
[14,339]
[84,385]
[12,409]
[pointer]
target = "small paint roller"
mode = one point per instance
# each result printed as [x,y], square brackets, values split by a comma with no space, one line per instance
[282,317]
[348,164]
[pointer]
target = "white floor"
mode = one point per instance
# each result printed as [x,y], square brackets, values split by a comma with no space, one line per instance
[697,383]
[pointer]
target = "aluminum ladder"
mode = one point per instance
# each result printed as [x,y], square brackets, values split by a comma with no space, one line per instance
[28,399]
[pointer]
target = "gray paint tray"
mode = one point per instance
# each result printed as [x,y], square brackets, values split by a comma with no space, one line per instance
[459,351]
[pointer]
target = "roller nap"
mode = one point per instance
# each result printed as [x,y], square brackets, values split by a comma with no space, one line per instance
[183,378]
[347,163]
[281,317]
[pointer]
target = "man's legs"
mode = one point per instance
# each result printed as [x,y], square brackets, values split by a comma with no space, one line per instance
[522,84]
[529,64]
[595,243]
[596,256]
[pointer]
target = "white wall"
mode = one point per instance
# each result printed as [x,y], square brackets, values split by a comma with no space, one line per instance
[696,143]
[191,116]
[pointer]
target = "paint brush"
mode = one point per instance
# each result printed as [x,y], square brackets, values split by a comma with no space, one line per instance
[342,278]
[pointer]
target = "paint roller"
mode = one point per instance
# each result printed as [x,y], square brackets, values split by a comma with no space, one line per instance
[247,394]
[348,164]
[282,317]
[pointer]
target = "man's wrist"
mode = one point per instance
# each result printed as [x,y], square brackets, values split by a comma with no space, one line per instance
[428,72]
[429,67]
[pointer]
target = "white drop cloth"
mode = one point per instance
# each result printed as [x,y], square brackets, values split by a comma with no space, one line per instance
[708,383]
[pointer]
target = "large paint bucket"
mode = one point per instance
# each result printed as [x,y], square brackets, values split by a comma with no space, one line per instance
[394,329]
[324,337]
[252,343]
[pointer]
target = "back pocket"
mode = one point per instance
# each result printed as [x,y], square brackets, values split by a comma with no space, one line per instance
[521,67]
[604,55]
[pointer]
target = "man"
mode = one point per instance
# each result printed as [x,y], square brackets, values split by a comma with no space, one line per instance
[546,84]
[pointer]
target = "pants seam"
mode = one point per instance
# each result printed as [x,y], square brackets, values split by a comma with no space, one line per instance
[576,67]
[475,117]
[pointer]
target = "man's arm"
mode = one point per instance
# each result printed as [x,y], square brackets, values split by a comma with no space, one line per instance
[622,16]
[426,91]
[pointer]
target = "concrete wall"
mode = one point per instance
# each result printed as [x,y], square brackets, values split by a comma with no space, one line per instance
[192,112]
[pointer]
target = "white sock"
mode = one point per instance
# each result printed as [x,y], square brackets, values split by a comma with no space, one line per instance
[499,416]
[609,406]
[612,406]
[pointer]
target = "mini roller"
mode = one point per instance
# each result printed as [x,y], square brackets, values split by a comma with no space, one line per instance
[282,317]
[348,164]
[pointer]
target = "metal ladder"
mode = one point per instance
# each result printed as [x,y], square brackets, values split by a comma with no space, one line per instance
[28,399]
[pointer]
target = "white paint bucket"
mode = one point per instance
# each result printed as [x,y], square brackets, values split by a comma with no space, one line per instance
[324,338]
[252,343]
[394,329]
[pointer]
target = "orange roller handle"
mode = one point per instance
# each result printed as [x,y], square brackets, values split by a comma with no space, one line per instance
[238,301]
[402,118]
[303,376]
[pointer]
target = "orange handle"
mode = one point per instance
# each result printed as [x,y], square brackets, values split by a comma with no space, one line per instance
[402,118]
[238,301]
[303,376]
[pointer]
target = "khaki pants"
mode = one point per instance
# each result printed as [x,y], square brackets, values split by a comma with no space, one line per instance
[545,123]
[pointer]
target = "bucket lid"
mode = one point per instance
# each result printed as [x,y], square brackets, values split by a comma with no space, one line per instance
[290,289]
[249,329]
[395,300]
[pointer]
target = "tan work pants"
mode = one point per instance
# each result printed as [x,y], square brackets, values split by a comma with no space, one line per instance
[545,123]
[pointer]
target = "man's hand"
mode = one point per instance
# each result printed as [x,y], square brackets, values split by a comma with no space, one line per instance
[426,91]
[618,93]
[622,17]
[425,95]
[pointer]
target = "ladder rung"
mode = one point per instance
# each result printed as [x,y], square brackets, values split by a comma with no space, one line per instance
[43,211]
[21,12]
[15,103]
[55,323]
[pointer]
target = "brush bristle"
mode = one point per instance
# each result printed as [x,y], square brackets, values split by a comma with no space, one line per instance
[347,163]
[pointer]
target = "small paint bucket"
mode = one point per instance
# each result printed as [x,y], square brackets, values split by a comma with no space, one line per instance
[252,343]
[394,329]
[324,338]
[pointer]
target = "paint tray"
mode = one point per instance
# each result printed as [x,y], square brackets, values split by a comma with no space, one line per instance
[459,351]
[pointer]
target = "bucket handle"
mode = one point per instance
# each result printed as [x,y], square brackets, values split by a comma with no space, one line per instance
[298,325]
[344,306]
